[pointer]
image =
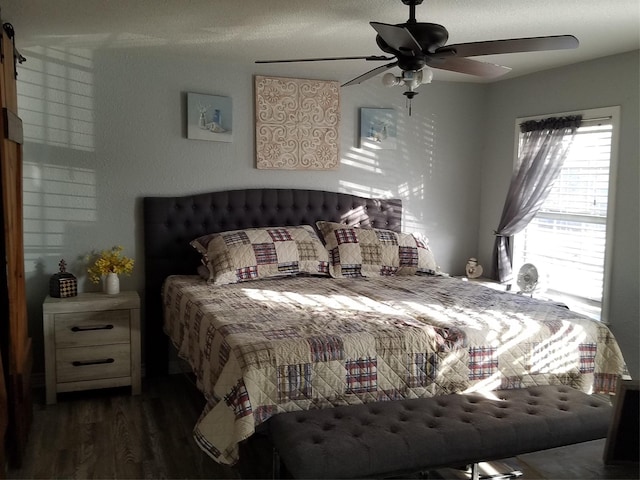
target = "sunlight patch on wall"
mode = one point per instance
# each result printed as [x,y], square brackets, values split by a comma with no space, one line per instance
[364,190]
[56,199]
[412,193]
[427,132]
[56,97]
[404,173]
[363,160]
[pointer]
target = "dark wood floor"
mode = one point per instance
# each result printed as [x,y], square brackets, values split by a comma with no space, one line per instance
[110,434]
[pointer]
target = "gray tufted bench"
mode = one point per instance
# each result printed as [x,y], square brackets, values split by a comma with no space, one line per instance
[390,438]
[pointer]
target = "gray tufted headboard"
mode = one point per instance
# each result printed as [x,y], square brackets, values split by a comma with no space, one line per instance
[170,223]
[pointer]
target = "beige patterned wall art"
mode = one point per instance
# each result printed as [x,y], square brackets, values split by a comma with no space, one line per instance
[297,123]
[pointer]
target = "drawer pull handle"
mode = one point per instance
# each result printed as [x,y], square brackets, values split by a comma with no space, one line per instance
[92,362]
[86,329]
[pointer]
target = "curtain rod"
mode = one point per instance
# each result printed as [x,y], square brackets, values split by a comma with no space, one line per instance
[597,119]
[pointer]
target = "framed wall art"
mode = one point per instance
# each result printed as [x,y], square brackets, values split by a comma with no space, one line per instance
[297,123]
[209,117]
[378,128]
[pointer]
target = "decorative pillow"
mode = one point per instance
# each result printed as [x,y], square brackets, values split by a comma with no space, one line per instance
[415,255]
[255,253]
[371,252]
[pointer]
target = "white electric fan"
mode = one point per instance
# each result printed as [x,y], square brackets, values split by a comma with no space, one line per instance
[527,278]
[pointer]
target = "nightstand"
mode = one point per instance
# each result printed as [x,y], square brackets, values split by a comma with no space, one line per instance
[91,341]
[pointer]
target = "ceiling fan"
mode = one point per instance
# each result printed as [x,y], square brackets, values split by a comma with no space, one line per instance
[416,45]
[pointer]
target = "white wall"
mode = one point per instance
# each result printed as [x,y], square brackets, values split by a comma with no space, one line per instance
[600,83]
[105,128]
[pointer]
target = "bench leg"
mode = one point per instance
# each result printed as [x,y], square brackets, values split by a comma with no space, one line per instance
[475,473]
[275,464]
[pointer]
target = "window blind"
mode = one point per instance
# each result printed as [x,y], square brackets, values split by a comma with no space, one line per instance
[567,238]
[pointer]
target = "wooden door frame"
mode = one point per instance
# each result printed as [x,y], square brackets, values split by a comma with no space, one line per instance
[15,343]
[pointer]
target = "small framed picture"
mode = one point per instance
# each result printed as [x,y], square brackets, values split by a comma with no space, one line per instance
[209,117]
[378,128]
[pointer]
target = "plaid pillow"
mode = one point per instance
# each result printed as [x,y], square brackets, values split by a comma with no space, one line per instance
[370,252]
[415,255]
[255,253]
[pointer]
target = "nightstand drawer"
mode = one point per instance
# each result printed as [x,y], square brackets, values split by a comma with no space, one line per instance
[91,363]
[91,328]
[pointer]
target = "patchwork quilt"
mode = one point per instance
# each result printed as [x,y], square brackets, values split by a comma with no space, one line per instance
[265,347]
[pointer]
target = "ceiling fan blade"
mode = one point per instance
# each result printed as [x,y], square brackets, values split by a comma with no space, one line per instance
[326,59]
[398,38]
[513,45]
[468,66]
[370,74]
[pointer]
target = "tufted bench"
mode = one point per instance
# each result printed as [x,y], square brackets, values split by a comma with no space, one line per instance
[389,438]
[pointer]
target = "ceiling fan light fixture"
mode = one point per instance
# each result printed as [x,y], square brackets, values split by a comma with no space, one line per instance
[427,75]
[411,78]
[390,80]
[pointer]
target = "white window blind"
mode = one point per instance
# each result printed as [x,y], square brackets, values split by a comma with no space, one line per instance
[567,239]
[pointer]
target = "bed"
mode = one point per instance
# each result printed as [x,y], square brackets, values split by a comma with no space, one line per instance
[284,343]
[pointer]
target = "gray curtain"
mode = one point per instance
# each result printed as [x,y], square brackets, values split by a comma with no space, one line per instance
[543,150]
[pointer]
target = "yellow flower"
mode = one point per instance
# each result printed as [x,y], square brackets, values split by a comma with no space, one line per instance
[110,261]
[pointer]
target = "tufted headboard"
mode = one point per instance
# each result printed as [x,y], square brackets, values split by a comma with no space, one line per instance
[170,223]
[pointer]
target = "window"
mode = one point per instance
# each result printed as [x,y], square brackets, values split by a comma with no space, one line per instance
[567,239]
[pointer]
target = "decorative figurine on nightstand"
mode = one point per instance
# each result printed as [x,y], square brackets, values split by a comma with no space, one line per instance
[63,284]
[473,269]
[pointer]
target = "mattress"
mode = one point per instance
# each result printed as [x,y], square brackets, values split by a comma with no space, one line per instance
[265,347]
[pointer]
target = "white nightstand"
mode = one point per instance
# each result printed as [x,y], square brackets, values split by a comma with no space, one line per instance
[91,341]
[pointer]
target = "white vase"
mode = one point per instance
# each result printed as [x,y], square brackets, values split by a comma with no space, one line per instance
[112,284]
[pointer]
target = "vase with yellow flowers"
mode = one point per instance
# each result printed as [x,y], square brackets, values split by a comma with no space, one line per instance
[108,265]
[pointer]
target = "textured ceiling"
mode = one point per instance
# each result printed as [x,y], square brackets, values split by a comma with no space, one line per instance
[241,31]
